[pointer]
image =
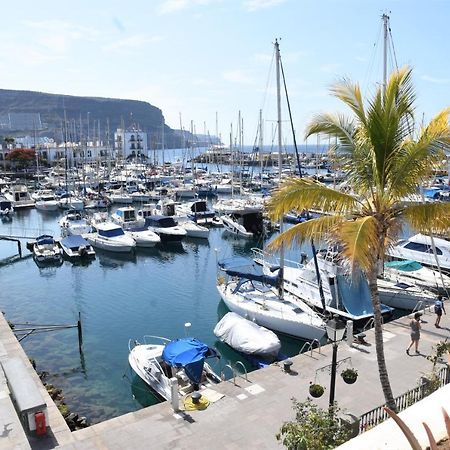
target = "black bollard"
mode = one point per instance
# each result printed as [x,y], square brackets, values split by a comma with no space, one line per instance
[287,365]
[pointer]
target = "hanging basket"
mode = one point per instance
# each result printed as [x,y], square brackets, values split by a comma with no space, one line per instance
[349,375]
[316,390]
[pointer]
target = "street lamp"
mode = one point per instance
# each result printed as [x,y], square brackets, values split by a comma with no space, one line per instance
[335,331]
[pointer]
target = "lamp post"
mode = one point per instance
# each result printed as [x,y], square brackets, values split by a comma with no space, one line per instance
[335,331]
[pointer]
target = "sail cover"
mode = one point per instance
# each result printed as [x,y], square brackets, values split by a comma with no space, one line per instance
[248,269]
[406,265]
[188,353]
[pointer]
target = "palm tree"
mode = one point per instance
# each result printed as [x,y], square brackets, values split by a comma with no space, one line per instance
[385,161]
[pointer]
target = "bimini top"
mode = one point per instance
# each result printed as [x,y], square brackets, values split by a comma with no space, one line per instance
[188,353]
[74,241]
[407,265]
[45,239]
[246,268]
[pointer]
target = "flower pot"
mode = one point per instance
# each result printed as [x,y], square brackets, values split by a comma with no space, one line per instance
[316,390]
[349,375]
[349,380]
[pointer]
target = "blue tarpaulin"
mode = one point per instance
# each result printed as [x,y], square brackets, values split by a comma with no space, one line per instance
[188,353]
[406,265]
[74,241]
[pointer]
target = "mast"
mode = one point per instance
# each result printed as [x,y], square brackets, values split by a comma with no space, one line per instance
[232,160]
[277,59]
[385,19]
[260,145]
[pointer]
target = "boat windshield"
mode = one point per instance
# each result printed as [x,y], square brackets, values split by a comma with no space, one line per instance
[114,232]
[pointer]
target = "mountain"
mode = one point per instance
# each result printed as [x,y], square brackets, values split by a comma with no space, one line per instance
[22,112]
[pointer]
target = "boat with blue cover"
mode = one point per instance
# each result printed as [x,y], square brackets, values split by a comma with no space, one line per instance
[46,249]
[158,359]
[77,247]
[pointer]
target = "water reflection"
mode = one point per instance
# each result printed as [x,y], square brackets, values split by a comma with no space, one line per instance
[113,260]
[141,391]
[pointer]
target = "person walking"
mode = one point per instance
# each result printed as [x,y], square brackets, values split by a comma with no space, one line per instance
[415,332]
[438,309]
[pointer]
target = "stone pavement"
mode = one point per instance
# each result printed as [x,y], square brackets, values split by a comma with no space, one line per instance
[251,412]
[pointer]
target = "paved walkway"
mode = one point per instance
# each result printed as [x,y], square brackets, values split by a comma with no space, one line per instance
[251,412]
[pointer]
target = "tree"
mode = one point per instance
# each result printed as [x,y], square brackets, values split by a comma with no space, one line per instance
[21,156]
[385,160]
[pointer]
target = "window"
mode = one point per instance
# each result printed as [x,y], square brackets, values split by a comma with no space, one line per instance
[89,153]
[417,247]
[132,146]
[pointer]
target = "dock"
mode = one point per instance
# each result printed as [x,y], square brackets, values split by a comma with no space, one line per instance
[251,412]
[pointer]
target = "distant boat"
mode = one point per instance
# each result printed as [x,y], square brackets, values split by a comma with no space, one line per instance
[111,237]
[166,227]
[73,223]
[19,196]
[6,207]
[158,359]
[76,247]
[247,337]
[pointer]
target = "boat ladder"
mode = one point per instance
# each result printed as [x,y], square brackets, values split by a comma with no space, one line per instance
[310,347]
[371,323]
[422,305]
[235,372]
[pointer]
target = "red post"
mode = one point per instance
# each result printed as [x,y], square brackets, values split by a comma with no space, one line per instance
[41,426]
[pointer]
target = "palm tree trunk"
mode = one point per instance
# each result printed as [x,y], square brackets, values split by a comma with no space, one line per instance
[379,346]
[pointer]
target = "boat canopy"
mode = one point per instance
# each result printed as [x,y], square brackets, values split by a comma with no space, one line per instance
[160,221]
[246,268]
[407,265]
[189,353]
[45,239]
[74,241]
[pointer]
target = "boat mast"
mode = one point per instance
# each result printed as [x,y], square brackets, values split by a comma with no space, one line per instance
[385,19]
[260,146]
[277,58]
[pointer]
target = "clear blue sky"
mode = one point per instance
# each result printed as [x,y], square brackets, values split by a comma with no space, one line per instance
[199,57]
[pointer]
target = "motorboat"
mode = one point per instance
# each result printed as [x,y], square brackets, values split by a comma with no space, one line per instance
[68,201]
[19,196]
[247,225]
[120,197]
[197,211]
[111,237]
[6,207]
[76,247]
[348,297]
[97,202]
[254,296]
[421,248]
[46,249]
[46,201]
[193,230]
[126,218]
[247,337]
[412,272]
[158,359]
[166,227]
[73,223]
[146,210]
[143,236]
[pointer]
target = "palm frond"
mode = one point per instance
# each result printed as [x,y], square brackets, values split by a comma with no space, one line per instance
[303,193]
[428,217]
[319,228]
[350,94]
[335,125]
[360,242]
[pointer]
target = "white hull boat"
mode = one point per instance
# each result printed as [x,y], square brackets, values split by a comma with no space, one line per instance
[73,223]
[194,230]
[143,237]
[157,360]
[111,237]
[71,203]
[166,228]
[232,226]
[76,247]
[46,250]
[247,337]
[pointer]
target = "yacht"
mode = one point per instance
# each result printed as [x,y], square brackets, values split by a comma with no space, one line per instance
[166,227]
[197,211]
[68,201]
[421,248]
[126,218]
[143,236]
[19,196]
[46,201]
[156,360]
[253,295]
[111,237]
[73,223]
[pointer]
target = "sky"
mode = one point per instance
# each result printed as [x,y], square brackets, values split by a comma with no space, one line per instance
[198,60]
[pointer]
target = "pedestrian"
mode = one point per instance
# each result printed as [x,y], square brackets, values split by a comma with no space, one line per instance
[438,309]
[415,332]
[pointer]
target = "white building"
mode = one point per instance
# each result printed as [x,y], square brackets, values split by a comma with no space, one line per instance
[130,143]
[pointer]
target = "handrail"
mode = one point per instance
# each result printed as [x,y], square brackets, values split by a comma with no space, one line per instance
[245,370]
[222,375]
[318,346]
[310,347]
[305,344]
[155,337]
[371,322]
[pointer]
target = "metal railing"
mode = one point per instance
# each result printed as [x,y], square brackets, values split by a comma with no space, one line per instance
[310,346]
[377,415]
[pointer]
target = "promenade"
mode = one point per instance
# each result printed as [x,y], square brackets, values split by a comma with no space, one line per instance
[251,412]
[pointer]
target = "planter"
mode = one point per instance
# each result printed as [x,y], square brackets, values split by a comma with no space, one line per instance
[349,375]
[316,390]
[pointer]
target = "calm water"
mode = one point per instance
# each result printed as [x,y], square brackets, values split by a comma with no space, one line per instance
[155,291]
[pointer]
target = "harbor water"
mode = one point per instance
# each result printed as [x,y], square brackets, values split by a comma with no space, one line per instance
[120,297]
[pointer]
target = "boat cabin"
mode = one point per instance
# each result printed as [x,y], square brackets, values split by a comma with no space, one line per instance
[160,222]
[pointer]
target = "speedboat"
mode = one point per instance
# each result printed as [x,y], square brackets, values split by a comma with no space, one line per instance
[158,359]
[254,295]
[423,249]
[193,230]
[46,201]
[76,247]
[46,249]
[111,237]
[166,227]
[247,337]
[143,236]
[73,223]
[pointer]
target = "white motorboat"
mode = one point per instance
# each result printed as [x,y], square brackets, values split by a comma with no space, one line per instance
[166,227]
[423,249]
[73,223]
[76,247]
[193,230]
[126,218]
[412,272]
[19,196]
[234,224]
[140,197]
[143,237]
[253,296]
[247,337]
[348,297]
[46,249]
[120,197]
[111,237]
[197,211]
[158,359]
[68,201]
[46,201]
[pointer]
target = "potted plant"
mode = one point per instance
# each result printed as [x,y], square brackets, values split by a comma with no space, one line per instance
[316,390]
[349,375]
[441,348]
